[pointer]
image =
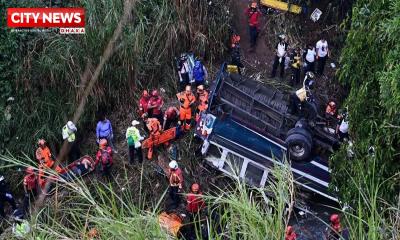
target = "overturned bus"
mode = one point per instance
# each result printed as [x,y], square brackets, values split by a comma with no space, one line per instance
[248,127]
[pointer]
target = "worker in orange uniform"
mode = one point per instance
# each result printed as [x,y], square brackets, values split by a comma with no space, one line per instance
[154,127]
[290,234]
[143,104]
[105,158]
[186,100]
[202,97]
[175,178]
[194,200]
[154,106]
[43,154]
[170,117]
[30,187]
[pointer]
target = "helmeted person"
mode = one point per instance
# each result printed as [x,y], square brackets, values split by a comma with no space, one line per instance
[290,233]
[330,113]
[69,133]
[280,56]
[43,154]
[200,74]
[5,196]
[194,200]
[183,71]
[21,227]
[143,104]
[253,14]
[171,117]
[104,130]
[175,178]
[202,99]
[309,56]
[295,64]
[342,127]
[235,53]
[133,138]
[154,128]
[104,158]
[154,106]
[30,187]
[335,230]
[186,100]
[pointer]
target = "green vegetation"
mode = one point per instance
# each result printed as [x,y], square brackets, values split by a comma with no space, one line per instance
[370,67]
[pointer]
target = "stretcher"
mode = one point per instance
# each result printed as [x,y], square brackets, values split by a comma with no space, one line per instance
[280,5]
[162,138]
[73,170]
[171,223]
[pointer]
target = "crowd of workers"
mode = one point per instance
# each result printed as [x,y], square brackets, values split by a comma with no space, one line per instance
[155,121]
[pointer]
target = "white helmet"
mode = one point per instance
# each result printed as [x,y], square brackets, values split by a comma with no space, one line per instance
[173,164]
[71,126]
[135,122]
[1,178]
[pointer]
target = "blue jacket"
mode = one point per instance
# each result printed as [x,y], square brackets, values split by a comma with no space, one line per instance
[104,129]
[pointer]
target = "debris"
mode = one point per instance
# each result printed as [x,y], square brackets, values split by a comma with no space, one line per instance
[316,14]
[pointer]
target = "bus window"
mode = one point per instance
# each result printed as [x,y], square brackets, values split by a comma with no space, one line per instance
[233,163]
[253,174]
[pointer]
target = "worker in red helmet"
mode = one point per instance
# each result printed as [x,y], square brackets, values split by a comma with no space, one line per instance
[253,15]
[30,187]
[143,104]
[105,158]
[194,200]
[154,106]
[171,117]
[335,231]
[330,113]
[290,233]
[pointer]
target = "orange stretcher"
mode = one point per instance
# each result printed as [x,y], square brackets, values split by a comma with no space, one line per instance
[74,169]
[171,223]
[157,140]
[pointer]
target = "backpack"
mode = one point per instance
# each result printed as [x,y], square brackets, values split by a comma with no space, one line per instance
[198,72]
[105,157]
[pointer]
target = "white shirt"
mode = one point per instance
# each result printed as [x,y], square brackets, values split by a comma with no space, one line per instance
[322,48]
[281,49]
[344,126]
[310,56]
[185,68]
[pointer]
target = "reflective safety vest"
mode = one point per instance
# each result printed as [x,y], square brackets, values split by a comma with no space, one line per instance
[68,134]
[45,156]
[133,136]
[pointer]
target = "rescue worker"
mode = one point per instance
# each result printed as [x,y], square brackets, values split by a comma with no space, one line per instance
[295,60]
[5,195]
[335,230]
[200,74]
[202,97]
[280,55]
[143,104]
[134,138]
[43,154]
[194,200]
[309,56]
[290,233]
[175,178]
[186,100]
[330,113]
[342,127]
[235,53]
[183,72]
[253,14]
[104,130]
[21,227]
[173,153]
[154,106]
[68,133]
[154,127]
[322,54]
[30,187]
[170,117]
[104,157]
